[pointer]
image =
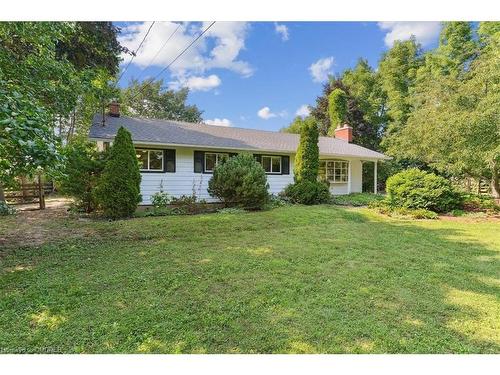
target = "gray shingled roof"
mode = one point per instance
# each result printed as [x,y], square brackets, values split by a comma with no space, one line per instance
[200,135]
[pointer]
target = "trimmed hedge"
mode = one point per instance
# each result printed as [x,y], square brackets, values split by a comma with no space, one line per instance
[416,189]
[240,181]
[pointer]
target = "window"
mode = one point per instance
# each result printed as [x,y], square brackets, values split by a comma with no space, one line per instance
[271,164]
[335,171]
[150,160]
[212,159]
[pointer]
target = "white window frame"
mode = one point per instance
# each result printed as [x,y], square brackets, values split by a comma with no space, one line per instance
[271,157]
[148,150]
[217,156]
[344,168]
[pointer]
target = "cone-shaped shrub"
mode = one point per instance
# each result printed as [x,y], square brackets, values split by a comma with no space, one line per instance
[118,190]
[307,158]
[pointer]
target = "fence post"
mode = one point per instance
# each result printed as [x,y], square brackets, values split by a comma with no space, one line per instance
[41,193]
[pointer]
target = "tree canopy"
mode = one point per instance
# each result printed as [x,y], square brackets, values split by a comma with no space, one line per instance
[149,99]
[48,71]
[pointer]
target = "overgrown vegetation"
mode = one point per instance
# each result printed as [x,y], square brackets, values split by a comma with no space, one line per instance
[240,181]
[118,190]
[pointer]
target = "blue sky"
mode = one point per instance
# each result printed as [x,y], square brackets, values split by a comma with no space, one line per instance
[258,75]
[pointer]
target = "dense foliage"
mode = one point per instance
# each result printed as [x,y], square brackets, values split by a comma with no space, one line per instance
[118,190]
[308,192]
[240,181]
[415,189]
[81,172]
[307,156]
[53,75]
[150,99]
[337,109]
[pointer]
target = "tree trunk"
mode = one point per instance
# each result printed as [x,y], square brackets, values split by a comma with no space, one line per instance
[2,194]
[495,184]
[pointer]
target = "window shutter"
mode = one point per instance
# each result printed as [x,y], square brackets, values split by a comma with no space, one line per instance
[169,165]
[285,165]
[258,157]
[198,161]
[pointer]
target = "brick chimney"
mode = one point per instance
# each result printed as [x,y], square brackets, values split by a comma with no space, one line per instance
[114,109]
[344,132]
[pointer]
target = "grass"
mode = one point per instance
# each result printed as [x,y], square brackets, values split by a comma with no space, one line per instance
[296,279]
[356,199]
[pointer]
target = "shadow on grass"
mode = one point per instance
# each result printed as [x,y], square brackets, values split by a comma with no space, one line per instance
[295,279]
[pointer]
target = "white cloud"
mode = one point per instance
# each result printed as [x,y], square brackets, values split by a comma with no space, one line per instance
[321,69]
[196,83]
[219,122]
[303,111]
[266,113]
[282,30]
[219,48]
[424,32]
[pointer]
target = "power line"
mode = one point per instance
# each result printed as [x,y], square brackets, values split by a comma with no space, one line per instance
[177,57]
[157,53]
[135,53]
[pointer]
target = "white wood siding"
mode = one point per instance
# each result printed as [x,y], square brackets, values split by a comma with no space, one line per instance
[184,181]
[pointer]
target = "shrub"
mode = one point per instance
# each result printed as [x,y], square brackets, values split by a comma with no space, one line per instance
[118,190]
[276,201]
[240,181]
[416,189]
[307,157]
[473,202]
[160,199]
[5,209]
[80,174]
[308,192]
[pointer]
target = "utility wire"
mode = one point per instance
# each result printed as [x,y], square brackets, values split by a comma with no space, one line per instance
[176,58]
[135,52]
[161,49]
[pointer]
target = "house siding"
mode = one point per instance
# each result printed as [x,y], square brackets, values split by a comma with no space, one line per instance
[185,181]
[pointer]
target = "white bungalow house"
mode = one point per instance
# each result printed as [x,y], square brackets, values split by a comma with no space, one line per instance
[179,157]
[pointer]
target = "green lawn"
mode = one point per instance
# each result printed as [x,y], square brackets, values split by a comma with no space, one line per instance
[297,279]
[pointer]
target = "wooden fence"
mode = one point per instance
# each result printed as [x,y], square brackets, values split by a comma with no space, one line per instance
[29,192]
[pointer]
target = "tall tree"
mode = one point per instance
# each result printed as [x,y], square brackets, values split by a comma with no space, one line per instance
[364,133]
[397,71]
[307,157]
[456,117]
[364,85]
[149,99]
